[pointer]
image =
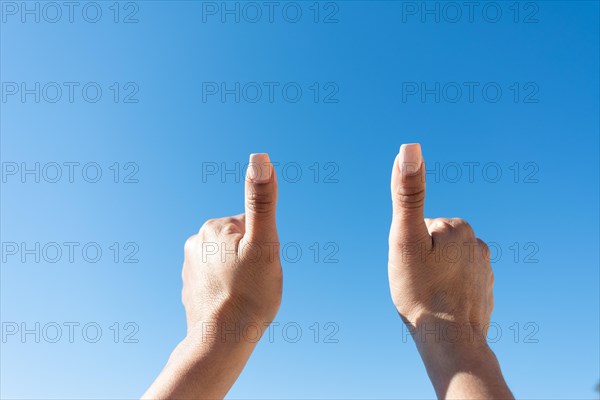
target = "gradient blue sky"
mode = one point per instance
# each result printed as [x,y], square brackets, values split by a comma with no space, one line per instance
[371,55]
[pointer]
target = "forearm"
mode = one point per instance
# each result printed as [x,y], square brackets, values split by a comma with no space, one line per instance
[465,368]
[201,367]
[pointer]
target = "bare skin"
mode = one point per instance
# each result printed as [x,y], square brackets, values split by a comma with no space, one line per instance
[232,284]
[441,284]
[440,279]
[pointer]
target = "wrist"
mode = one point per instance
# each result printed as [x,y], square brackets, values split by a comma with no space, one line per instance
[227,324]
[451,357]
[456,353]
[431,331]
[464,370]
[456,343]
[205,365]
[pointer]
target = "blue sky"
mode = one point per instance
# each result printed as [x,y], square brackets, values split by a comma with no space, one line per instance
[503,100]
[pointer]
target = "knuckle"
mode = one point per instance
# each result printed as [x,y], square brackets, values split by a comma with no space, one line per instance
[229,228]
[260,203]
[410,197]
[462,225]
[485,249]
[190,244]
[459,221]
[483,245]
[210,224]
[440,225]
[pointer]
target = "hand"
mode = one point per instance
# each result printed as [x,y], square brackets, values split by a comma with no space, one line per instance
[232,272]
[441,284]
[437,267]
[232,285]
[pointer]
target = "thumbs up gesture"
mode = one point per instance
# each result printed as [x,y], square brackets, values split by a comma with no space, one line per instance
[232,267]
[437,267]
[232,283]
[441,284]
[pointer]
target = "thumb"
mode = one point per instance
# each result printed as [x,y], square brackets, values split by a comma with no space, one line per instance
[408,196]
[261,199]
